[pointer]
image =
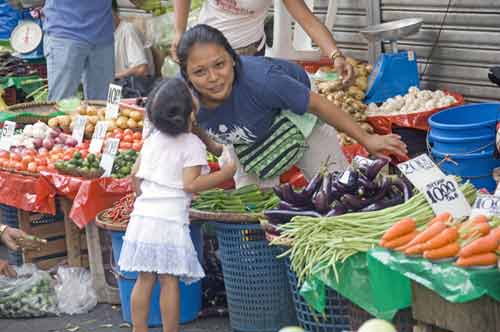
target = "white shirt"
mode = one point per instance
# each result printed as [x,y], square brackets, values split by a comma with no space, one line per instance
[163,159]
[130,50]
[241,21]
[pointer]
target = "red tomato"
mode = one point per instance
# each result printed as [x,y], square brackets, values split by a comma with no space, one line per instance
[32,167]
[15,157]
[19,166]
[128,138]
[41,161]
[56,156]
[43,153]
[27,159]
[117,130]
[66,157]
[84,153]
[11,164]
[128,131]
[136,146]
[30,152]
[4,154]
[57,149]
[137,136]
[118,135]
[125,145]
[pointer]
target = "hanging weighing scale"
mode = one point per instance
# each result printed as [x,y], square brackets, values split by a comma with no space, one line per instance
[393,73]
[27,37]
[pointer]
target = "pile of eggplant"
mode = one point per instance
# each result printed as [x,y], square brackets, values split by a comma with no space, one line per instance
[14,66]
[360,188]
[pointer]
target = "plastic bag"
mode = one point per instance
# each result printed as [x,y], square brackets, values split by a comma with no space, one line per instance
[160,30]
[170,68]
[74,290]
[30,294]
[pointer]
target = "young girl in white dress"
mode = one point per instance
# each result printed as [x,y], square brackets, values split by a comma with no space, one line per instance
[172,165]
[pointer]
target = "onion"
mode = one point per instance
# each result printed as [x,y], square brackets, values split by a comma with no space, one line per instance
[53,132]
[377,325]
[48,143]
[43,150]
[58,140]
[37,142]
[70,141]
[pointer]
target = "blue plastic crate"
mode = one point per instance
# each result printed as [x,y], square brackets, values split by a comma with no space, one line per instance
[337,311]
[258,295]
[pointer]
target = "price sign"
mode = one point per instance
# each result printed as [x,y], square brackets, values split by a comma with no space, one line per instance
[444,195]
[8,130]
[108,157]
[98,137]
[485,204]
[420,171]
[113,102]
[79,128]
[362,161]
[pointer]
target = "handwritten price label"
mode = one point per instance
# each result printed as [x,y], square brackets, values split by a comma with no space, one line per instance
[113,102]
[8,130]
[444,195]
[420,171]
[98,137]
[108,157]
[485,204]
[79,128]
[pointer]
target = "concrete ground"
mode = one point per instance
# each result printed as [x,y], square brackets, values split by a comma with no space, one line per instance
[103,318]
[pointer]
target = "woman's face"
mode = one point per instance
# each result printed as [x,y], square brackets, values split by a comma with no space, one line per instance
[210,70]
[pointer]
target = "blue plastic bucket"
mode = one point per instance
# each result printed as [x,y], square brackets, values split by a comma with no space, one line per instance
[462,141]
[190,295]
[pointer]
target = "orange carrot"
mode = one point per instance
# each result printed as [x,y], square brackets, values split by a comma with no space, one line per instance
[414,250]
[449,250]
[402,227]
[496,232]
[429,233]
[449,235]
[480,246]
[477,260]
[402,248]
[479,229]
[400,241]
[444,217]
[475,220]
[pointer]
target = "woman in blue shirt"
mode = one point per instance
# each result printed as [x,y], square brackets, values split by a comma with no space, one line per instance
[265,110]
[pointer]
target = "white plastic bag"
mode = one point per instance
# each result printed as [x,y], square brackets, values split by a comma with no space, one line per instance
[170,68]
[30,294]
[74,290]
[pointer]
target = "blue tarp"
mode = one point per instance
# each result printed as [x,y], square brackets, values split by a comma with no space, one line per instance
[8,19]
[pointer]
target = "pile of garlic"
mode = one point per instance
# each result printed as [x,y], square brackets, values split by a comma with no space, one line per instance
[415,101]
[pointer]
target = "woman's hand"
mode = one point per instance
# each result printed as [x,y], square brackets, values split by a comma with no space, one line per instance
[382,146]
[173,46]
[344,69]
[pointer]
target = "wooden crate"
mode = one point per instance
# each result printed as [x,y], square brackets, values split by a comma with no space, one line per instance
[435,314]
[65,242]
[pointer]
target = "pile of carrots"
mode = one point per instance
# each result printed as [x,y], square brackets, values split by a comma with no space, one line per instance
[474,242]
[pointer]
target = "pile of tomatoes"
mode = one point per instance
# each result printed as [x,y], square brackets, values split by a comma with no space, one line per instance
[129,140]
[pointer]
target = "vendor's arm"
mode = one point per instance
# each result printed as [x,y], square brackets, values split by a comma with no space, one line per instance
[320,35]
[334,116]
[10,236]
[139,70]
[181,14]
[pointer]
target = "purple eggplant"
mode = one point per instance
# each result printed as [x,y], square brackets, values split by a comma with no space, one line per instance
[321,201]
[313,186]
[370,168]
[337,209]
[384,204]
[287,206]
[403,187]
[357,203]
[279,192]
[284,216]
[293,197]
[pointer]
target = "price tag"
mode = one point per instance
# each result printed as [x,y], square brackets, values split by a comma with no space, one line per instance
[113,102]
[8,130]
[362,161]
[444,195]
[485,204]
[79,128]
[420,171]
[108,157]
[98,137]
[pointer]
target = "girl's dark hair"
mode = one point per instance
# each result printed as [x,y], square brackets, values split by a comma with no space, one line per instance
[169,106]
[202,34]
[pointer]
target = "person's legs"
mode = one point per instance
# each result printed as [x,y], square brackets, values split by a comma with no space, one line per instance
[169,302]
[65,63]
[141,298]
[99,72]
[321,144]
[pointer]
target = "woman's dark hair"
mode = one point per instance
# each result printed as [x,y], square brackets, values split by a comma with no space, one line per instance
[202,34]
[169,106]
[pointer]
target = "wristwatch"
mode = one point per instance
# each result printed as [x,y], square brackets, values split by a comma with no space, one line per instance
[2,229]
[336,54]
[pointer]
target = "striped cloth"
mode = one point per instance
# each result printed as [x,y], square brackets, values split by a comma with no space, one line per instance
[274,154]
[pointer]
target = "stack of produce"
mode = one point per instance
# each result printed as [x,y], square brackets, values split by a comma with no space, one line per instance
[12,66]
[415,101]
[445,239]
[120,212]
[321,243]
[362,188]
[350,100]
[242,200]
[78,166]
[128,118]
[124,161]
[128,139]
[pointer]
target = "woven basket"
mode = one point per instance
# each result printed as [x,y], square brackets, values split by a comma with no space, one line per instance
[104,223]
[225,217]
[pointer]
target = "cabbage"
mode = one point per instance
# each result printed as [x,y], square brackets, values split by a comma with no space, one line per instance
[377,325]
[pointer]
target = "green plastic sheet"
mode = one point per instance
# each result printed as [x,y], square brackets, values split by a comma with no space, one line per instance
[17,81]
[365,282]
[453,283]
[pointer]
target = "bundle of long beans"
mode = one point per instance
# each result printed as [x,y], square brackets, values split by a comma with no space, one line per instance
[321,243]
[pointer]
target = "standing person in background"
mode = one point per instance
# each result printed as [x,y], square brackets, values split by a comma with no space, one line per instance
[242,22]
[132,58]
[78,46]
